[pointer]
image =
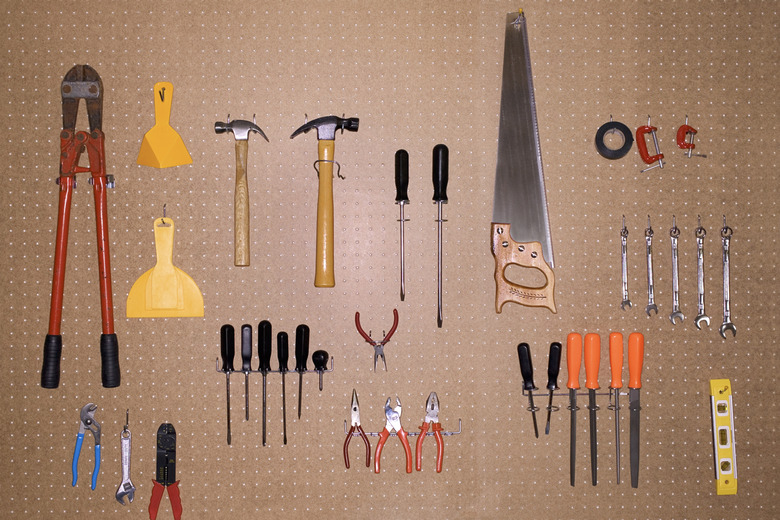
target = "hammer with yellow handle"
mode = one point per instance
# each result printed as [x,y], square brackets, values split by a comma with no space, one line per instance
[326,135]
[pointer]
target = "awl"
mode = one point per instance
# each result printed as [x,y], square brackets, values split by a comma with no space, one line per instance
[636,354]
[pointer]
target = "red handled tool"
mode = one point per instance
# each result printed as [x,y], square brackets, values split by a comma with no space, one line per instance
[393,424]
[82,82]
[432,419]
[355,428]
[165,478]
[685,137]
[379,346]
[641,144]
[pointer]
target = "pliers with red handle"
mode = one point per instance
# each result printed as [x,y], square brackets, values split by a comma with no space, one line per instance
[82,82]
[165,476]
[379,346]
[393,424]
[432,419]
[356,429]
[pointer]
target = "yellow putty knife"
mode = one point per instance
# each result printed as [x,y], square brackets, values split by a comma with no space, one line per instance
[164,291]
[162,146]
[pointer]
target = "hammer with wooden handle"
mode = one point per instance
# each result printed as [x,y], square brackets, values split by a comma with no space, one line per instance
[326,135]
[240,129]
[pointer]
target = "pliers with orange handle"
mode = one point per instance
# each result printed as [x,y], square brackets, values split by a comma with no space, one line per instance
[432,419]
[393,424]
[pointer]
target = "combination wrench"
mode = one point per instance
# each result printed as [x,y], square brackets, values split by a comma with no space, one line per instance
[651,306]
[725,235]
[623,258]
[701,316]
[674,233]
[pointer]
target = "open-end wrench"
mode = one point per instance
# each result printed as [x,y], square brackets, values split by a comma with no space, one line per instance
[674,233]
[651,306]
[624,262]
[725,235]
[126,488]
[701,316]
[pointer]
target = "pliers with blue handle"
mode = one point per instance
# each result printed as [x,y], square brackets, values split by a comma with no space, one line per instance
[87,422]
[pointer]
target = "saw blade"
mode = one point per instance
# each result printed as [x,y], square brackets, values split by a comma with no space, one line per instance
[520,198]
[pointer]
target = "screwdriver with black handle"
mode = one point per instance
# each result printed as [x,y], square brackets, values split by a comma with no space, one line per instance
[264,350]
[553,368]
[227,336]
[574,365]
[441,175]
[283,354]
[592,358]
[320,359]
[636,353]
[616,366]
[301,356]
[402,198]
[246,361]
[527,371]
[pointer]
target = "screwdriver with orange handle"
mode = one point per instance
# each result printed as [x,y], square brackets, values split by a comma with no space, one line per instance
[636,354]
[592,356]
[574,365]
[616,366]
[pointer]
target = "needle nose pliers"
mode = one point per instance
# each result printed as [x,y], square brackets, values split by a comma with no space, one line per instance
[432,419]
[87,422]
[356,428]
[393,424]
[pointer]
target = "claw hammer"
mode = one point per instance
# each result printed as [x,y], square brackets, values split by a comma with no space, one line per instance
[326,137]
[240,128]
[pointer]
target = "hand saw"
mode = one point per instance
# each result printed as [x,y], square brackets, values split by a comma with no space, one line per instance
[519,203]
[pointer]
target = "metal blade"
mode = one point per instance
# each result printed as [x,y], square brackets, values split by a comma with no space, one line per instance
[634,406]
[520,198]
[573,438]
[593,442]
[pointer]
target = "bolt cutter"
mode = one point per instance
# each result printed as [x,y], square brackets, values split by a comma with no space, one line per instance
[87,422]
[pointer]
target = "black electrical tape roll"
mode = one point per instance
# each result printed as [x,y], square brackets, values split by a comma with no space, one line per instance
[610,153]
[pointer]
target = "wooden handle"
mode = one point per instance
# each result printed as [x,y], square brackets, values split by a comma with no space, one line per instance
[323,276]
[506,251]
[241,207]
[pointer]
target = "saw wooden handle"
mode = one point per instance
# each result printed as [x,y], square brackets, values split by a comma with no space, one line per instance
[506,252]
[241,207]
[323,275]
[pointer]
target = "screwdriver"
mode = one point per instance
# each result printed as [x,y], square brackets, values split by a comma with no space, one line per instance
[282,353]
[301,353]
[227,336]
[616,364]
[246,360]
[320,360]
[264,350]
[592,355]
[527,370]
[553,367]
[574,365]
[401,198]
[636,353]
[441,159]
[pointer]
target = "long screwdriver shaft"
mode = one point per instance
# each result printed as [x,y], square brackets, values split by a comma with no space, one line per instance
[441,159]
[227,386]
[402,198]
[282,353]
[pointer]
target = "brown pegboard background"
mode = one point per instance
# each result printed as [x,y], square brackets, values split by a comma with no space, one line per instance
[416,75]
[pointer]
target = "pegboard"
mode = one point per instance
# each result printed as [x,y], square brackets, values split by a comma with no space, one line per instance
[416,75]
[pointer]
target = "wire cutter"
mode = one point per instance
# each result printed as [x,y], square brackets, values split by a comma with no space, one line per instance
[356,428]
[432,419]
[82,82]
[87,422]
[393,425]
[379,346]
[165,477]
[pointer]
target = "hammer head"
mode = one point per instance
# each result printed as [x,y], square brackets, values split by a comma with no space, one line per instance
[239,127]
[327,126]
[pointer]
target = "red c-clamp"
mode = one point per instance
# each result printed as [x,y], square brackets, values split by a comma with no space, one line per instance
[682,139]
[641,144]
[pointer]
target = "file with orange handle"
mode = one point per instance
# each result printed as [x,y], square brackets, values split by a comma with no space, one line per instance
[636,353]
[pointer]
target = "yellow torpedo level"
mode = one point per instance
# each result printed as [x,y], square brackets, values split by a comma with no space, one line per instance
[723,437]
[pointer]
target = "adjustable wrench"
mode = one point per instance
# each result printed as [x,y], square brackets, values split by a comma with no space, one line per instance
[674,233]
[701,316]
[624,262]
[725,235]
[651,306]
[126,488]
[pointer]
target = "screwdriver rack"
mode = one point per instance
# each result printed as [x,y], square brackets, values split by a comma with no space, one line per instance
[410,434]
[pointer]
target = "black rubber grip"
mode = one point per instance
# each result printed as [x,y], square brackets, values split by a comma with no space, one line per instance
[526,368]
[52,353]
[320,359]
[554,366]
[301,347]
[246,348]
[282,351]
[401,176]
[611,153]
[109,356]
[227,346]
[441,172]
[264,339]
